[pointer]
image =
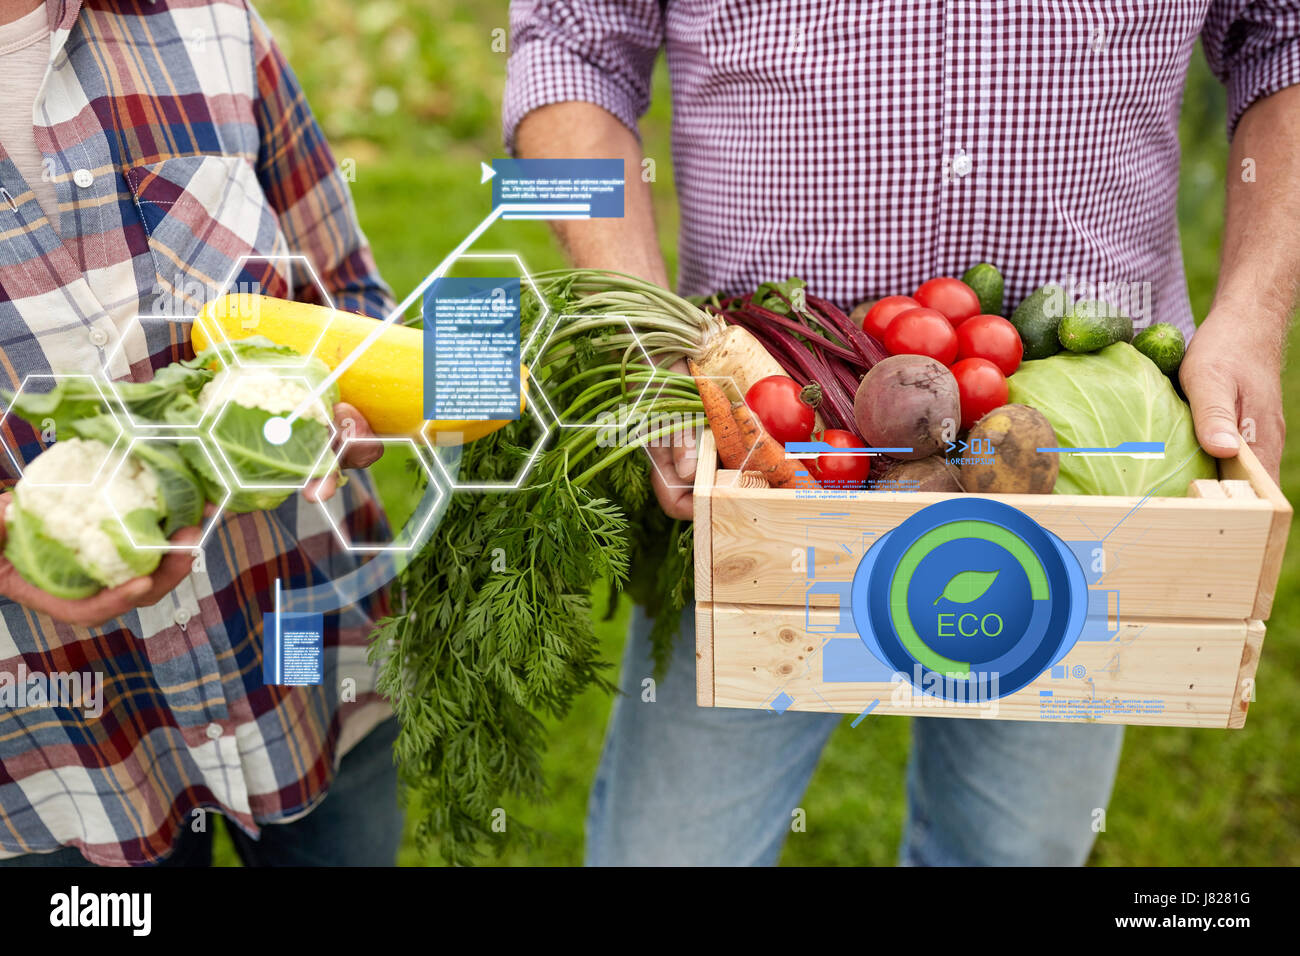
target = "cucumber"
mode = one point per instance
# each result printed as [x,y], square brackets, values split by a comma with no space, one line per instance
[1091,326]
[1036,319]
[1163,344]
[986,280]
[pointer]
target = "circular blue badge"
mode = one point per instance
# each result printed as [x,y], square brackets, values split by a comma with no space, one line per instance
[970,599]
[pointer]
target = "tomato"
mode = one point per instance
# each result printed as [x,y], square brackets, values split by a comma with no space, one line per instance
[883,313]
[841,471]
[778,402]
[954,298]
[922,332]
[990,337]
[982,388]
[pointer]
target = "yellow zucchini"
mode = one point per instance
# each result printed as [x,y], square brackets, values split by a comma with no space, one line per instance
[385,383]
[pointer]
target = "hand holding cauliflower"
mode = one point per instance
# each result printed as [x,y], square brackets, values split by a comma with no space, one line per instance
[86,529]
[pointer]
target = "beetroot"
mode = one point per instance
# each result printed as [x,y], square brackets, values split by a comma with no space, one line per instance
[908,401]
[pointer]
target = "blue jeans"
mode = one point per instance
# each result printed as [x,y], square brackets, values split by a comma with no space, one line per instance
[358,823]
[685,785]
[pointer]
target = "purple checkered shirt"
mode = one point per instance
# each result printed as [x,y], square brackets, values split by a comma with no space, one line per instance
[869,146]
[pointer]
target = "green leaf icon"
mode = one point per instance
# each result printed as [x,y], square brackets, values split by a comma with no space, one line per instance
[967,586]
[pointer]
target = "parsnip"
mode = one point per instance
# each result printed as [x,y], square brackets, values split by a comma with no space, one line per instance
[736,360]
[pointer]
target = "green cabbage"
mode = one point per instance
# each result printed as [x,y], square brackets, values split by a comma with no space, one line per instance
[1102,399]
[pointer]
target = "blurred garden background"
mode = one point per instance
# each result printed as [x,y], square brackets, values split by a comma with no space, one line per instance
[409,93]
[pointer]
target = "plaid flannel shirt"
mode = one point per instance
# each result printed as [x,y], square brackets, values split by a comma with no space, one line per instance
[179,142]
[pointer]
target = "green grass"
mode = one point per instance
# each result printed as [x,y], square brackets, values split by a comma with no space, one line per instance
[1182,797]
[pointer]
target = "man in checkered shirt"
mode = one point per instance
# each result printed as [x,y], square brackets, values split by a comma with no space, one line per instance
[150,152]
[866,147]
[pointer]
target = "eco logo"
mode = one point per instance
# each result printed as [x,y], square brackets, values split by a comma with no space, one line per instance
[970,598]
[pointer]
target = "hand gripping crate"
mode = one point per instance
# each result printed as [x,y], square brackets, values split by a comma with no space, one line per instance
[1177,592]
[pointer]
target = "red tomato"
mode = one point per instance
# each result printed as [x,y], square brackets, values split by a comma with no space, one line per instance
[990,337]
[883,312]
[922,332]
[982,388]
[954,298]
[777,401]
[841,471]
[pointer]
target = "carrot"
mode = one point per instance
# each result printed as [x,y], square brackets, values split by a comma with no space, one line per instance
[765,455]
[741,438]
[717,407]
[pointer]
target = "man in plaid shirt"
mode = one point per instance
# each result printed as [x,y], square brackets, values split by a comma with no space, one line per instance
[866,147]
[171,147]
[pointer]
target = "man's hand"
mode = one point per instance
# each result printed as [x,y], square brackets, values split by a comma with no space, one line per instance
[108,603]
[674,470]
[673,479]
[1232,375]
[357,452]
[674,494]
[1232,371]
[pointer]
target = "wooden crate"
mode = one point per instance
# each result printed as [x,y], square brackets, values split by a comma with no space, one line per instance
[1196,575]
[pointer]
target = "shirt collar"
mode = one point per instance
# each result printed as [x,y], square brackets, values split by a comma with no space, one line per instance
[62,13]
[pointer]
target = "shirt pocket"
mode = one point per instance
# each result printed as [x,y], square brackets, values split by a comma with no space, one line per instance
[211,229]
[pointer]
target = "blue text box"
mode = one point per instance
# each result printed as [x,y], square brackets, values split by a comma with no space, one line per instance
[293,652]
[471,349]
[558,188]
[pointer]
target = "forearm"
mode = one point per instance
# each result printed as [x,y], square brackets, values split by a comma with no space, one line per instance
[1232,370]
[1260,268]
[573,130]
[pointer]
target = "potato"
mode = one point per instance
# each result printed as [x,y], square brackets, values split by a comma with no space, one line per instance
[907,401]
[860,312]
[924,474]
[1015,432]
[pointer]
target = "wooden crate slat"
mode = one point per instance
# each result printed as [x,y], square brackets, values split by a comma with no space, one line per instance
[1172,558]
[760,651]
[706,472]
[1205,488]
[1246,675]
[704,647]
[1246,467]
[1237,488]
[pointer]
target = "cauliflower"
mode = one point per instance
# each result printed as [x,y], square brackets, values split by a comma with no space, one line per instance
[241,401]
[65,536]
[261,389]
[72,539]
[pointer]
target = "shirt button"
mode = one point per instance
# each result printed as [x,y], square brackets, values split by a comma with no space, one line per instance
[961,164]
[182,617]
[214,731]
[98,337]
[83,178]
